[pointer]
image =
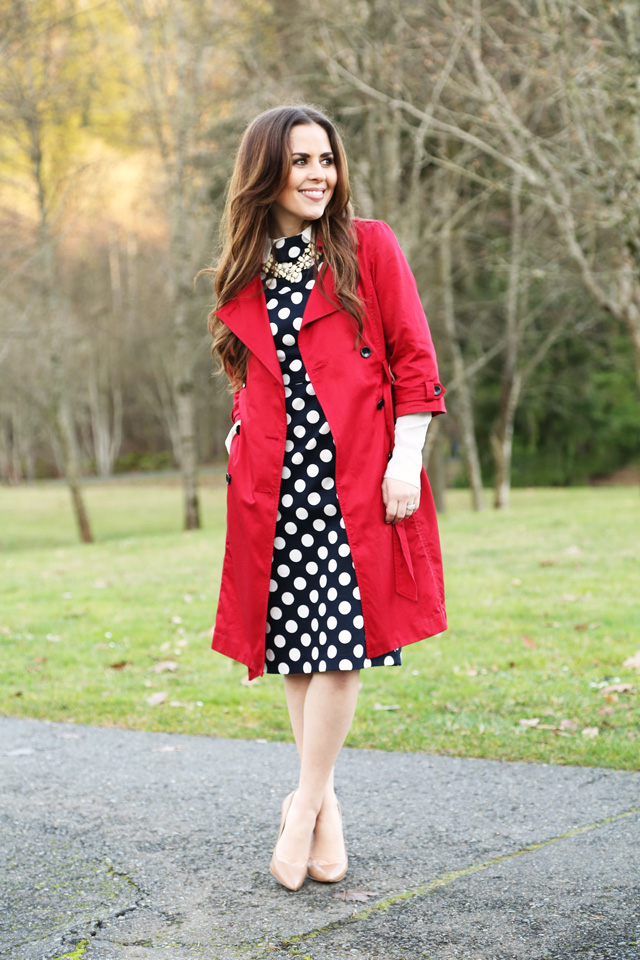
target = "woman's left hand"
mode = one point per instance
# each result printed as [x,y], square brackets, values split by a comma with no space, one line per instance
[401,499]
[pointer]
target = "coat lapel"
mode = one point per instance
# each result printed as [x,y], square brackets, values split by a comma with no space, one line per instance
[246,316]
[322,300]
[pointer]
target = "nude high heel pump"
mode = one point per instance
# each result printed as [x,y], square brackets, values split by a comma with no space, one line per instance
[290,875]
[325,872]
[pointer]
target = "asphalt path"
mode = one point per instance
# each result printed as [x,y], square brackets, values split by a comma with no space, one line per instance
[121,845]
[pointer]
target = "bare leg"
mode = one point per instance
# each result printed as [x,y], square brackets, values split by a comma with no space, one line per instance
[321,707]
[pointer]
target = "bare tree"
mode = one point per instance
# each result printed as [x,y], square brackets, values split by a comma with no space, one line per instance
[42,89]
[546,94]
[181,45]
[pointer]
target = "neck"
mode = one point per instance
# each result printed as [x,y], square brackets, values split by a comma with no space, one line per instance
[286,228]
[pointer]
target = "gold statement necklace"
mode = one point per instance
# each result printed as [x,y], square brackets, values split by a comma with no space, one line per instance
[291,270]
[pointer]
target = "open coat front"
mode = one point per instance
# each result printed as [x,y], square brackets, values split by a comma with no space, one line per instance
[392,371]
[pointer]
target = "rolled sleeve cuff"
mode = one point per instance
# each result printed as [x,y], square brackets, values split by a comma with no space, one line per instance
[427,395]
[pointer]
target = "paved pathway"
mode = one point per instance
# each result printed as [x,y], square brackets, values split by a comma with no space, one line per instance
[122,845]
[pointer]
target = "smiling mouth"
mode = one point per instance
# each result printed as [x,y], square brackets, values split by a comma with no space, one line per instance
[313,194]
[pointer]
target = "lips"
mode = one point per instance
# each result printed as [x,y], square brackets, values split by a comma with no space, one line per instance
[313,194]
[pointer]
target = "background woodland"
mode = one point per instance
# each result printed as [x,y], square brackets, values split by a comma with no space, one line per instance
[500,140]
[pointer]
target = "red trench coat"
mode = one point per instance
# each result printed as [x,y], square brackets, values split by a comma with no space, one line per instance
[398,567]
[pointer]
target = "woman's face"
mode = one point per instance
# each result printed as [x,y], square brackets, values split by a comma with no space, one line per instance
[312,180]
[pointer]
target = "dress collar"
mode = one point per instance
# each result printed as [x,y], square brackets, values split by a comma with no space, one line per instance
[306,236]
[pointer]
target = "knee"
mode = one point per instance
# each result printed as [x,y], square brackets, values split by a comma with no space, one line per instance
[342,679]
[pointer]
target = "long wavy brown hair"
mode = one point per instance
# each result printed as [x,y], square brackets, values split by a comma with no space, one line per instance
[260,173]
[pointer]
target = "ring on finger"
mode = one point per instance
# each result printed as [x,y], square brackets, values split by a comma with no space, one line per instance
[411,507]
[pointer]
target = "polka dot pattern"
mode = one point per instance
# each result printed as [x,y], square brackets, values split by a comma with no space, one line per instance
[314,618]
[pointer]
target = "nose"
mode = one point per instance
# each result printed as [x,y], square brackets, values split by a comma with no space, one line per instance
[317,171]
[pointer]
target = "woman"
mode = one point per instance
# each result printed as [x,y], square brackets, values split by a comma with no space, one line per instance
[332,559]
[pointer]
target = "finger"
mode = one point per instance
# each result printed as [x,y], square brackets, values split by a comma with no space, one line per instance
[401,512]
[392,509]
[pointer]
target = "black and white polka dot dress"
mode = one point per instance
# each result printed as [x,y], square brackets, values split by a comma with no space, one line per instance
[314,619]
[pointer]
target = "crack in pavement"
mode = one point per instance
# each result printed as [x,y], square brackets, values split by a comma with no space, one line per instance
[291,945]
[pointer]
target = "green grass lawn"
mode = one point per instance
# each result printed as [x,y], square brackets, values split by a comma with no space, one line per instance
[543,602]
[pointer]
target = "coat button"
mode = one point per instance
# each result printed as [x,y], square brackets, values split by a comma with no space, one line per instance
[380,403]
[437,390]
[390,455]
[365,352]
[238,428]
[228,478]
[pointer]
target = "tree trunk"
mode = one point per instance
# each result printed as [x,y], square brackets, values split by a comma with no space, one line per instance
[180,261]
[631,319]
[502,439]
[435,465]
[183,384]
[66,437]
[184,394]
[465,402]
[502,432]
[63,423]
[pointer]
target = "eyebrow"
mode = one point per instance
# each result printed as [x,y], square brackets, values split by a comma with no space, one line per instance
[300,153]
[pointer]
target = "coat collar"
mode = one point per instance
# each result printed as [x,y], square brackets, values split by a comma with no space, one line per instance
[247,316]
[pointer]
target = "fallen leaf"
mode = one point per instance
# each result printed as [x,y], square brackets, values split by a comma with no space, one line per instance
[612,698]
[605,711]
[101,584]
[178,703]
[156,698]
[529,642]
[164,666]
[165,749]
[633,663]
[581,626]
[176,619]
[569,724]
[120,665]
[618,688]
[516,581]
[547,563]
[573,551]
[359,896]
[391,706]
[569,598]
[533,722]
[590,732]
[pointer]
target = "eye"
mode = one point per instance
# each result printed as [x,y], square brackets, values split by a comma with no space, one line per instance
[328,161]
[298,161]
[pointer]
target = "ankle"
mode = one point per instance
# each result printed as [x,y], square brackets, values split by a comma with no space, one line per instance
[307,806]
[329,803]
